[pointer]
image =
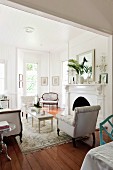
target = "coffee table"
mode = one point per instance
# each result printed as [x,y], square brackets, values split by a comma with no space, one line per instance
[40,115]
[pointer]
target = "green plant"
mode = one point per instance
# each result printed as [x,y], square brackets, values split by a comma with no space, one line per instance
[88,70]
[80,68]
[74,64]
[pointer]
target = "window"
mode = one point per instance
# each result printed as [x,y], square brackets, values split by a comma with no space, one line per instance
[31,78]
[2,77]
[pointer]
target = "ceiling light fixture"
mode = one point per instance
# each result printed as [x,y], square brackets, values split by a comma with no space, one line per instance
[29,29]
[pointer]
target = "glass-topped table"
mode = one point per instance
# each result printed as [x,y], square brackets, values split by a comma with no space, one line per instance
[3,146]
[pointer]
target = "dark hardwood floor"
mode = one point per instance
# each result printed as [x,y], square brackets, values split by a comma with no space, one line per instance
[64,156]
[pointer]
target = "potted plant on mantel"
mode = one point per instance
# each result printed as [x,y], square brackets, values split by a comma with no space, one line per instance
[79,68]
[88,70]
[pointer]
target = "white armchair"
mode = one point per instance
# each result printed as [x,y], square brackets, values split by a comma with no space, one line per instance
[79,125]
[27,101]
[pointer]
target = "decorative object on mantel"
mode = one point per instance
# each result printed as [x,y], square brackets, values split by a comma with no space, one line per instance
[103,78]
[72,76]
[80,69]
[103,65]
[88,70]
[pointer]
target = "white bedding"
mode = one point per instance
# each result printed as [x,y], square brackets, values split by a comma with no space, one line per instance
[99,158]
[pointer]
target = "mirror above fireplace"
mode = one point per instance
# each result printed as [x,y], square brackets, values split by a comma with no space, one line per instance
[90,64]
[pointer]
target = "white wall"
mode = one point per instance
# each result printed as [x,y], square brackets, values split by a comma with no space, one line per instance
[8,54]
[44,72]
[87,42]
[55,70]
[19,71]
[109,90]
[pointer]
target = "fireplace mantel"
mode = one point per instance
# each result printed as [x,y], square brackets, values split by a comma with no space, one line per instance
[94,93]
[85,88]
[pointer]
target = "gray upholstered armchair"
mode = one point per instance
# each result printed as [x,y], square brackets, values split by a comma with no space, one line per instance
[79,125]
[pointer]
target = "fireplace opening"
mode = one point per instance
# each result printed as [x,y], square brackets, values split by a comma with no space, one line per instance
[79,102]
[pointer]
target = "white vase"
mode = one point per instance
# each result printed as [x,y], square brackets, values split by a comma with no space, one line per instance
[88,78]
[81,79]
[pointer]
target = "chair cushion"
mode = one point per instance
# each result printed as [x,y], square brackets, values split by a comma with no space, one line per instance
[50,96]
[66,118]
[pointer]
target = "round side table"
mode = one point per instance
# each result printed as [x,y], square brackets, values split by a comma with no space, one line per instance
[3,146]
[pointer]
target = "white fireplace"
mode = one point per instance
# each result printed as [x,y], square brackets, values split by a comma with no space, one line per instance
[94,93]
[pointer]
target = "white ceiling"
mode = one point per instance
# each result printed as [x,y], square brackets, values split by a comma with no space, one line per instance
[48,35]
[93,14]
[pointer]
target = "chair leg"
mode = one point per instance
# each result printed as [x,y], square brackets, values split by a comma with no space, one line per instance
[26,116]
[58,130]
[74,142]
[93,134]
[22,114]
[21,137]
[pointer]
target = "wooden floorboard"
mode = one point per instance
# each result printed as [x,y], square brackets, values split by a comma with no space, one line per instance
[51,162]
[5,165]
[73,153]
[33,162]
[14,162]
[60,157]
[21,157]
[64,157]
[55,156]
[39,157]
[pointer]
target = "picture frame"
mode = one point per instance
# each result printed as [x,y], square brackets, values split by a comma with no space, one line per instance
[103,78]
[55,80]
[44,81]
[20,77]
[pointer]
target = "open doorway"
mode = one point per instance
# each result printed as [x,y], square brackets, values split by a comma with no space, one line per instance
[50,44]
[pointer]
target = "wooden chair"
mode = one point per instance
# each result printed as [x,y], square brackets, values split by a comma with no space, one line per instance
[50,98]
[103,128]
